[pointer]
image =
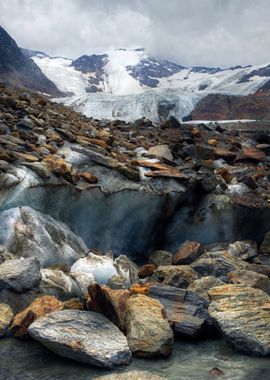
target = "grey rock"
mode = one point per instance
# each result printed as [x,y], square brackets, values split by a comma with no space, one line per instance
[243,316]
[131,375]
[186,311]
[20,275]
[203,285]
[179,276]
[251,279]
[244,250]
[84,336]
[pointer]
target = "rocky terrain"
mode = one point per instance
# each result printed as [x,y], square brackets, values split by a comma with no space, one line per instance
[131,234]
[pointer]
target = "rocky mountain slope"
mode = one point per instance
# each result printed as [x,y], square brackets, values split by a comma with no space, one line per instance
[19,71]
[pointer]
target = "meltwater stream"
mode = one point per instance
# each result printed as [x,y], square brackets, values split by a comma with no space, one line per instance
[28,360]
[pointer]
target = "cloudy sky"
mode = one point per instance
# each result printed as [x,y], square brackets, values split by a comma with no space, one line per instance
[189,32]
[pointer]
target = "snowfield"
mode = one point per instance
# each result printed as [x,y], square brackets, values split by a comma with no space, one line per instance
[122,96]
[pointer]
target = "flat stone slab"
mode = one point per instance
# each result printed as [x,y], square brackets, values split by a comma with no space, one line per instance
[84,336]
[243,316]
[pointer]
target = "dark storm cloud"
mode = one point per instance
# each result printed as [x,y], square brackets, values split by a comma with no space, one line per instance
[190,32]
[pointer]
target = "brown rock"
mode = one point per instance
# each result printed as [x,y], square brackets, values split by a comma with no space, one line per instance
[250,279]
[89,177]
[225,174]
[147,270]
[139,289]
[161,257]
[73,304]
[196,132]
[179,276]
[251,154]
[109,302]
[40,307]
[187,252]
[216,372]
[148,330]
[161,151]
[6,315]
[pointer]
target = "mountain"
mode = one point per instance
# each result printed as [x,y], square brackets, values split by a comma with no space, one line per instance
[18,70]
[129,84]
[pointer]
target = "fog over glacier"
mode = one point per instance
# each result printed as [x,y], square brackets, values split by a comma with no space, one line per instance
[195,32]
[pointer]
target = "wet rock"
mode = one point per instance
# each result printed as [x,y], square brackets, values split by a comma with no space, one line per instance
[40,307]
[243,316]
[6,315]
[250,279]
[110,302]
[187,252]
[176,275]
[161,258]
[203,285]
[27,233]
[84,336]
[146,270]
[20,275]
[131,375]
[186,311]
[148,330]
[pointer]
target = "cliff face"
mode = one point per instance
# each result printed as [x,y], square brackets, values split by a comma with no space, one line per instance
[220,107]
[18,71]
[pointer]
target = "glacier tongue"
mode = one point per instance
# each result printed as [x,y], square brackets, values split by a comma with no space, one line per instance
[133,107]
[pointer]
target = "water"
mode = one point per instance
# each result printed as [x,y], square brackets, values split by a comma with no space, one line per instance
[28,360]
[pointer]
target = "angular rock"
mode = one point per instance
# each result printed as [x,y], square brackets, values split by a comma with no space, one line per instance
[187,252]
[179,276]
[161,151]
[146,270]
[243,316]
[109,302]
[83,280]
[118,281]
[57,283]
[20,275]
[148,330]
[27,233]
[250,279]
[217,264]
[84,336]
[160,258]
[186,311]
[127,268]
[40,307]
[244,250]
[6,315]
[203,285]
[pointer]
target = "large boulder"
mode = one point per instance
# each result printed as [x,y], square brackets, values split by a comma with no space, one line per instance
[27,233]
[6,315]
[20,275]
[187,312]
[37,309]
[148,330]
[243,316]
[84,336]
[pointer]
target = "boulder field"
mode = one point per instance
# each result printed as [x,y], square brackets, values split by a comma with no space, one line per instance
[118,238]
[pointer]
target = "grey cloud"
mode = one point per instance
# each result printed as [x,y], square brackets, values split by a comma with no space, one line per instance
[190,32]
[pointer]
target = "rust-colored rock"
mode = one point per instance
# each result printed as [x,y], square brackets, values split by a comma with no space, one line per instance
[187,252]
[89,177]
[139,289]
[109,302]
[251,154]
[73,304]
[147,270]
[40,307]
